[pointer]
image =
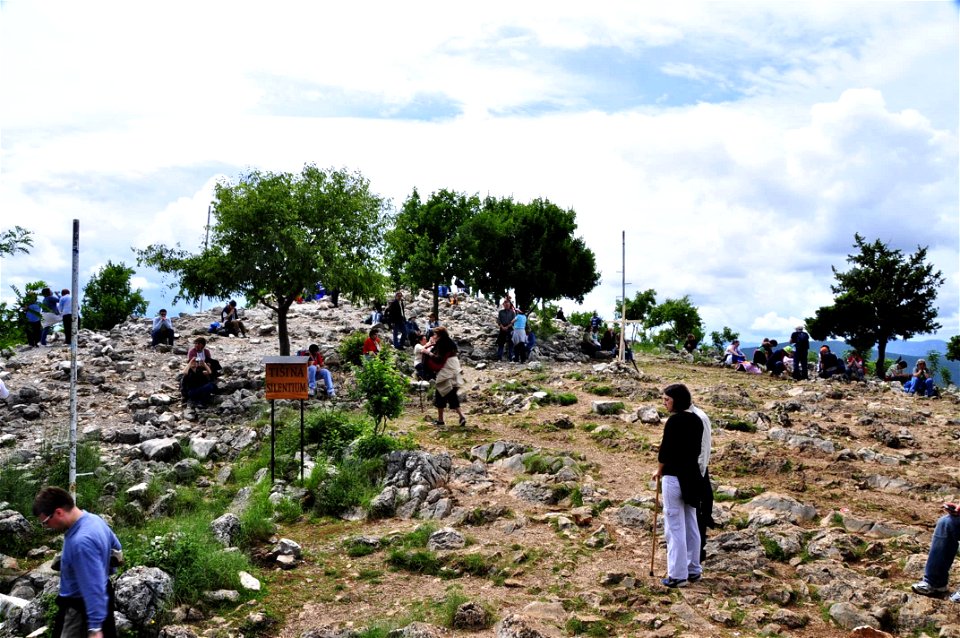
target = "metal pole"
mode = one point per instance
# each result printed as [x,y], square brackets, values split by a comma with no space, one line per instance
[206,239]
[623,296]
[73,358]
[273,438]
[303,459]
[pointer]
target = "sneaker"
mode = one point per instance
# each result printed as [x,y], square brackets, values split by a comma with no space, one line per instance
[438,423]
[693,578]
[926,589]
[955,598]
[673,583]
[463,421]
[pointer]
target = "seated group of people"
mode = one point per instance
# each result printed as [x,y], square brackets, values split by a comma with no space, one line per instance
[771,357]
[920,382]
[229,325]
[604,345]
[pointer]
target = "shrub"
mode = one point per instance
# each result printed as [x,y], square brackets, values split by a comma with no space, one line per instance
[383,388]
[560,398]
[372,446]
[598,389]
[190,554]
[256,521]
[108,298]
[354,483]
[419,561]
[332,431]
[351,348]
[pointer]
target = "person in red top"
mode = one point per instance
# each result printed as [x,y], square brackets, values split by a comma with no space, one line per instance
[316,367]
[371,347]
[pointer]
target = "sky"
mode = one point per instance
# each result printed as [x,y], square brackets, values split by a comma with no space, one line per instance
[739,146]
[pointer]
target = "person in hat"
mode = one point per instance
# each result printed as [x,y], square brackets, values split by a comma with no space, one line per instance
[801,343]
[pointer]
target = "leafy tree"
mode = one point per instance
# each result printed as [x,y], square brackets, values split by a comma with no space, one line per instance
[676,318]
[724,336]
[108,298]
[953,348]
[276,235]
[13,319]
[15,240]
[423,247]
[530,248]
[638,307]
[581,319]
[885,295]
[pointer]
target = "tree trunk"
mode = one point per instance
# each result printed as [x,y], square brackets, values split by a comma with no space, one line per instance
[881,357]
[436,300]
[283,305]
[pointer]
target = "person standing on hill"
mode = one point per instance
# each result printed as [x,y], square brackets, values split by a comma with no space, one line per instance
[51,315]
[85,603]
[397,316]
[33,313]
[65,306]
[505,317]
[801,343]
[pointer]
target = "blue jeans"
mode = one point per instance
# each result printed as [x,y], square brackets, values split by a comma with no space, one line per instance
[401,329]
[324,374]
[943,549]
[924,387]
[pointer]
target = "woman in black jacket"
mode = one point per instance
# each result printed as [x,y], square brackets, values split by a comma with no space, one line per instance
[680,476]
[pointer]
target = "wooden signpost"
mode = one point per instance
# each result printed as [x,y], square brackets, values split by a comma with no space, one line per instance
[286,379]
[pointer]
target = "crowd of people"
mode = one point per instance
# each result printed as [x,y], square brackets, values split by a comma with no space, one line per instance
[44,312]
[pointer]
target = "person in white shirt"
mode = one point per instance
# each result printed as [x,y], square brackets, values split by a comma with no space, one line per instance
[705,510]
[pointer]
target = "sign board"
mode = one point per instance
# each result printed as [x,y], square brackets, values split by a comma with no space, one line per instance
[287,377]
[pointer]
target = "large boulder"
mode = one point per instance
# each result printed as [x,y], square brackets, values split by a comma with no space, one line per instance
[142,593]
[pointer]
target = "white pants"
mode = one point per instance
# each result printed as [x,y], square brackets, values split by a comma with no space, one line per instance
[681,532]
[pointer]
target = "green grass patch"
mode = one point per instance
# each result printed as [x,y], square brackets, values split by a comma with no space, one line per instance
[601,390]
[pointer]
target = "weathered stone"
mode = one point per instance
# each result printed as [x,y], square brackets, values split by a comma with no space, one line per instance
[161,449]
[142,592]
[849,616]
[226,529]
[446,538]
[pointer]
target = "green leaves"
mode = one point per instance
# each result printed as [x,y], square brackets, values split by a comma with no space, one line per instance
[884,295]
[108,298]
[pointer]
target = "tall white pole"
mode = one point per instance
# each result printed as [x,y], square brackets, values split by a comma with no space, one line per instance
[623,296]
[73,357]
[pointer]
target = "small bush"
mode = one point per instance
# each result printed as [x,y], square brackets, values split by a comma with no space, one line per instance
[560,398]
[256,521]
[287,511]
[354,483]
[419,561]
[332,431]
[351,348]
[418,537]
[598,389]
[772,549]
[383,388]
[371,446]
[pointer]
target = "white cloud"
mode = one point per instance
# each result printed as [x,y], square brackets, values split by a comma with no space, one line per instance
[834,121]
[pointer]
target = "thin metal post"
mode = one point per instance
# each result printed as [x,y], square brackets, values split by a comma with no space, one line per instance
[623,296]
[273,437]
[302,454]
[73,358]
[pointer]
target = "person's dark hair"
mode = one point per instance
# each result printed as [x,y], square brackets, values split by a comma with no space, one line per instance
[51,498]
[374,332]
[64,292]
[313,349]
[201,341]
[232,303]
[680,395]
[444,344]
[774,343]
[163,311]
[46,292]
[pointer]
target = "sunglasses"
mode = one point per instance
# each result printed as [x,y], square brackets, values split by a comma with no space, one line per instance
[44,521]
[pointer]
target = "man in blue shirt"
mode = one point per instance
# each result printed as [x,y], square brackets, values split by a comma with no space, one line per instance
[65,306]
[86,597]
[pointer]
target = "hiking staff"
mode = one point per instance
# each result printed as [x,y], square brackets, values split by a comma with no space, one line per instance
[653,531]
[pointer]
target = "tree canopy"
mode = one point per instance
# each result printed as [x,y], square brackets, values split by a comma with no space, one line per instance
[108,298]
[676,318]
[424,246]
[885,295]
[278,234]
[530,247]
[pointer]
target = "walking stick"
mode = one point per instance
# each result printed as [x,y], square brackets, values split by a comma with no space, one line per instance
[656,508]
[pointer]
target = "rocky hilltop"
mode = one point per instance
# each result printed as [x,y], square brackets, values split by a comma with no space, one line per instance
[540,511]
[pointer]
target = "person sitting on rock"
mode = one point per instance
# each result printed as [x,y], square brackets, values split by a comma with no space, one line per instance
[162,331]
[608,341]
[691,343]
[830,364]
[315,368]
[761,354]
[733,354]
[201,352]
[230,319]
[588,345]
[372,345]
[424,347]
[921,383]
[199,382]
[897,372]
[943,549]
[775,363]
[855,366]
[531,341]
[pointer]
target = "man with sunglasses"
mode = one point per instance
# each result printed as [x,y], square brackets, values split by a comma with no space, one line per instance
[85,603]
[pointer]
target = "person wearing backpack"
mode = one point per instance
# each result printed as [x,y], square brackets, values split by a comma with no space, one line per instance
[801,343]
